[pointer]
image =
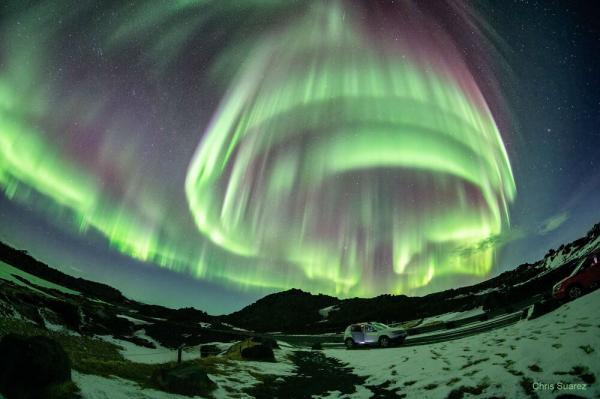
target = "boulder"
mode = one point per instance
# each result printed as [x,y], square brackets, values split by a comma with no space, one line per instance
[270,342]
[102,320]
[317,346]
[249,349]
[183,379]
[28,366]
[69,312]
[258,352]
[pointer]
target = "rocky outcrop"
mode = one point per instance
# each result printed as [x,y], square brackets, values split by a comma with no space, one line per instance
[103,320]
[266,341]
[259,352]
[250,349]
[30,366]
[290,310]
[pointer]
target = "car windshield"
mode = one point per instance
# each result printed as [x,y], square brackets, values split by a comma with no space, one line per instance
[379,326]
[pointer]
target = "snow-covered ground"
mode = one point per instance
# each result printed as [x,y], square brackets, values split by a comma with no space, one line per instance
[159,354]
[234,327]
[231,378]
[237,375]
[531,356]
[325,311]
[483,292]
[556,353]
[135,321]
[96,387]
[8,272]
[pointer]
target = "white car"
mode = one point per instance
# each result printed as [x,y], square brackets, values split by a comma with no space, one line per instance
[373,333]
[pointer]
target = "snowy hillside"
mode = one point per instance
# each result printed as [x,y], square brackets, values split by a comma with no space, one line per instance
[574,250]
[24,279]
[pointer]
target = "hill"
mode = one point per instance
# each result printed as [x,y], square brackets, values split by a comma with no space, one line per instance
[301,312]
[35,291]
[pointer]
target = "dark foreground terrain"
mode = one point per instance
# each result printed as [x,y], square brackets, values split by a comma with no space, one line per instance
[90,341]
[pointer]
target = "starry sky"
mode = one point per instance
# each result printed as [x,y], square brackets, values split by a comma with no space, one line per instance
[206,153]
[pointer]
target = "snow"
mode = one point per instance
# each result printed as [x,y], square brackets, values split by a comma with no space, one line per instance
[550,263]
[560,258]
[51,326]
[556,348]
[135,321]
[325,311]
[476,293]
[361,393]
[234,327]
[222,346]
[236,376]
[96,387]
[465,327]
[529,312]
[283,344]
[160,354]
[8,272]
[99,301]
[233,376]
[8,311]
[141,354]
[452,316]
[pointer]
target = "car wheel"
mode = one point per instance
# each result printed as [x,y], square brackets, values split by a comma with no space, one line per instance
[349,343]
[384,342]
[575,292]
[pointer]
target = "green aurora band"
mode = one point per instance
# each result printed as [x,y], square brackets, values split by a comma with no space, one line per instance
[34,170]
[311,114]
[331,164]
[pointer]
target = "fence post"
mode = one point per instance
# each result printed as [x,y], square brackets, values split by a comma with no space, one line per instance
[179,353]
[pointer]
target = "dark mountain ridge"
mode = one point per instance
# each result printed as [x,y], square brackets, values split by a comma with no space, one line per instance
[298,311]
[22,260]
[291,311]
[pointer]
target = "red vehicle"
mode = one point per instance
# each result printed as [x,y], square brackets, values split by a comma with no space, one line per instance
[586,276]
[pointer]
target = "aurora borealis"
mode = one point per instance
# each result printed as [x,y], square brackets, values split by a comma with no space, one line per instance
[347,148]
[331,145]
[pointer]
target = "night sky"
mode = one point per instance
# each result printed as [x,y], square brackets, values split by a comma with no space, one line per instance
[208,152]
